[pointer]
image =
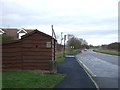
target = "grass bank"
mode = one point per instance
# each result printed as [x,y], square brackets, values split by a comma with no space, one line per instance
[22,79]
[107,52]
[60,58]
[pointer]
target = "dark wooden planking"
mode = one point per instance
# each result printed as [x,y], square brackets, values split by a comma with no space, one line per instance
[36,53]
[31,57]
[34,45]
[11,45]
[40,67]
[37,50]
[13,61]
[37,36]
[35,64]
[33,41]
[28,53]
[11,54]
[36,61]
[10,58]
[11,50]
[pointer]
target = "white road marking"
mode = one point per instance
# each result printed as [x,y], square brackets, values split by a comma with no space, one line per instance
[98,66]
[70,56]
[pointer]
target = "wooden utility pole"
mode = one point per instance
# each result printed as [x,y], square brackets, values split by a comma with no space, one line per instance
[53,43]
[53,32]
[61,38]
[64,46]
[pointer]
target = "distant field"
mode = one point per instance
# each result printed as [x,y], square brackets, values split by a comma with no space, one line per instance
[22,79]
[107,52]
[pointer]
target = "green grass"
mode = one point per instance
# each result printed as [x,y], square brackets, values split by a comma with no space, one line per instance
[60,57]
[72,52]
[107,52]
[15,79]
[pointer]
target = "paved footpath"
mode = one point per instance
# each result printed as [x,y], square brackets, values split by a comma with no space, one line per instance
[76,76]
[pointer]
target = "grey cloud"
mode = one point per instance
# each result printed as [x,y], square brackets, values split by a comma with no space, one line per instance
[32,16]
[97,32]
[47,16]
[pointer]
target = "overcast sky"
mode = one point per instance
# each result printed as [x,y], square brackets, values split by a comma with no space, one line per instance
[96,21]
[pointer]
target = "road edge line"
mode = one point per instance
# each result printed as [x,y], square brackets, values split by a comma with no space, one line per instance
[89,73]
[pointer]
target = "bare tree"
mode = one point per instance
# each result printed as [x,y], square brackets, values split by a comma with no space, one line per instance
[76,43]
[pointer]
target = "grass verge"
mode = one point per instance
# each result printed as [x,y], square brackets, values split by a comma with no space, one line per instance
[107,52]
[21,79]
[60,58]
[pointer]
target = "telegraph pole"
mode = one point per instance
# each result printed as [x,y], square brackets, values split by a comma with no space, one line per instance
[64,46]
[61,38]
[53,32]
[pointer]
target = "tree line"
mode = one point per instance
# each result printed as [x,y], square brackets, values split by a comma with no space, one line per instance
[74,43]
[112,46]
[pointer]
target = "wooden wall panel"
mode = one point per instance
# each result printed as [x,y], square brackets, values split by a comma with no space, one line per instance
[36,53]
[30,53]
[37,50]
[11,56]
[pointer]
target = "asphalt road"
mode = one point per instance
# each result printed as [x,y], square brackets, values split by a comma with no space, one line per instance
[103,67]
[76,76]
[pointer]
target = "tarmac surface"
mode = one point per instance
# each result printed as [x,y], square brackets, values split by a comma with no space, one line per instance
[102,67]
[76,76]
